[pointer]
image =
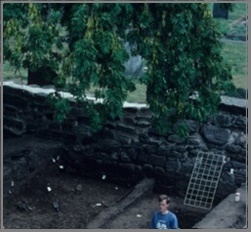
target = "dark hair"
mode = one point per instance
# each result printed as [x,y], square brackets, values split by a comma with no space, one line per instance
[164,197]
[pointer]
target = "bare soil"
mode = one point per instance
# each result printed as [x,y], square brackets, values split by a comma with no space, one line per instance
[71,203]
[139,216]
[76,207]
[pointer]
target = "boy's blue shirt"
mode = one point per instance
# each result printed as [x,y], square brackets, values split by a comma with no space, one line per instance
[164,221]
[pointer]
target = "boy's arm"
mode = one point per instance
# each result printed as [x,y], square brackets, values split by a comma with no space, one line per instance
[174,223]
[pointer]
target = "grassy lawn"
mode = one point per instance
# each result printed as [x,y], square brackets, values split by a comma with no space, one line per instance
[234,52]
[230,26]
[9,72]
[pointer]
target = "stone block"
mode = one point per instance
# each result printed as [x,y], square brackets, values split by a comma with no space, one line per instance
[143,157]
[125,128]
[157,160]
[172,165]
[148,169]
[159,171]
[149,148]
[124,157]
[232,148]
[164,150]
[216,135]
[126,169]
[176,139]
[223,120]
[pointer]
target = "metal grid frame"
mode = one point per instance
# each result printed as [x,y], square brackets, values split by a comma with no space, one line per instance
[204,180]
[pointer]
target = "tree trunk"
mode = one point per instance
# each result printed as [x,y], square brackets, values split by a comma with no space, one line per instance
[219,12]
[42,76]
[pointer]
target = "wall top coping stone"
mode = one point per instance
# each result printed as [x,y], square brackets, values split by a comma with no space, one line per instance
[34,89]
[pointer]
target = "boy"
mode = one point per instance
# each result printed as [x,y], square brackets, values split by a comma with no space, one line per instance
[164,219]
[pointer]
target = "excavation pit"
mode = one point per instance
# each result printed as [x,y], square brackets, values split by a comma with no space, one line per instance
[55,199]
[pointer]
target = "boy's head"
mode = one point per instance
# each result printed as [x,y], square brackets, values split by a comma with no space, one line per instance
[164,202]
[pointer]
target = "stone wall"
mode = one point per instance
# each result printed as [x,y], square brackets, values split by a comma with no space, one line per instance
[127,149]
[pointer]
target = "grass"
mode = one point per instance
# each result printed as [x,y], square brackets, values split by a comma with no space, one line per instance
[233,52]
[9,72]
[230,26]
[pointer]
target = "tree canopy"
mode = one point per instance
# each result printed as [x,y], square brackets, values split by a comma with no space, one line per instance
[84,45]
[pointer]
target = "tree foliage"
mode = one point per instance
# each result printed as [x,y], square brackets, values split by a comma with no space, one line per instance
[84,45]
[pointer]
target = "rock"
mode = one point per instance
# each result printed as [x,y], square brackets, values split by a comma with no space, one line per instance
[193,153]
[14,126]
[126,169]
[148,169]
[201,147]
[125,157]
[143,124]
[145,112]
[22,205]
[131,110]
[138,174]
[233,137]
[240,157]
[132,154]
[175,155]
[153,131]
[223,120]
[233,148]
[79,187]
[19,154]
[194,139]
[142,188]
[240,122]
[143,157]
[157,160]
[55,205]
[215,135]
[111,143]
[241,140]
[154,141]
[181,148]
[225,187]
[125,128]
[164,150]
[144,138]
[176,139]
[222,216]
[129,121]
[173,165]
[240,177]
[159,171]
[101,156]
[149,148]
[114,156]
[123,139]
[238,165]
[192,125]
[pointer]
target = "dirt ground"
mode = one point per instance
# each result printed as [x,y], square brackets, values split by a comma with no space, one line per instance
[71,203]
[76,206]
[75,198]
[139,215]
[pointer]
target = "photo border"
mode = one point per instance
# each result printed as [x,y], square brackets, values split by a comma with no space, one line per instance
[114,1]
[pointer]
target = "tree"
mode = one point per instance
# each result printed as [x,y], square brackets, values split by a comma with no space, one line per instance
[84,45]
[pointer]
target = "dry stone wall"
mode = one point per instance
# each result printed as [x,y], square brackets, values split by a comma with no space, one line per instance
[128,149]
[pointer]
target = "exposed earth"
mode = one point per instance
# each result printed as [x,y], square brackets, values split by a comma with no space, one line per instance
[74,201]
